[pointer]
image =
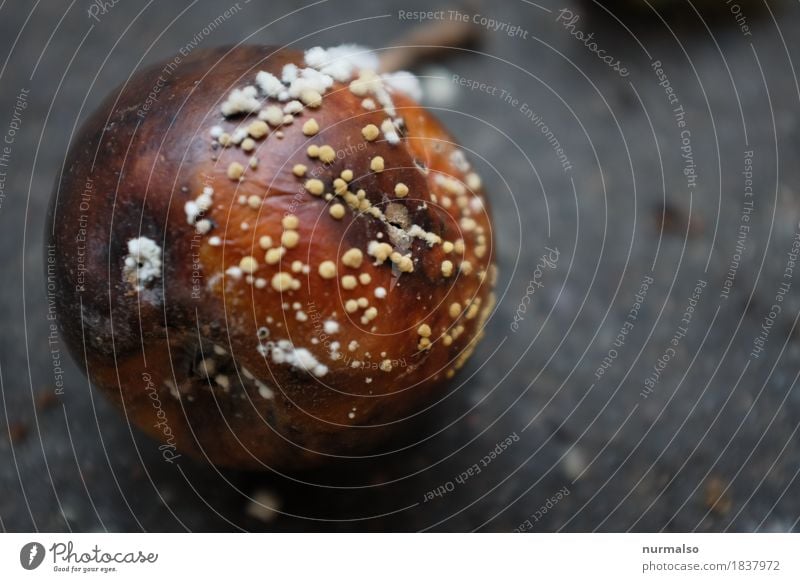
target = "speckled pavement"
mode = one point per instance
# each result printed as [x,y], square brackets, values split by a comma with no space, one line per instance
[640,376]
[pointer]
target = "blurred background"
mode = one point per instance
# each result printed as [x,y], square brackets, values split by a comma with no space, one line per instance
[643,379]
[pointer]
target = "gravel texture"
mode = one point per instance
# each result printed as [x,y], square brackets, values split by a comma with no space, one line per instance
[711,446]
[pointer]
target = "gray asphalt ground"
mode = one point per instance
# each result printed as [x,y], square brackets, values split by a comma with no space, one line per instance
[702,436]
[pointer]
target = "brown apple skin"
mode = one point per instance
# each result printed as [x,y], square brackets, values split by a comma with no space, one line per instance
[129,172]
